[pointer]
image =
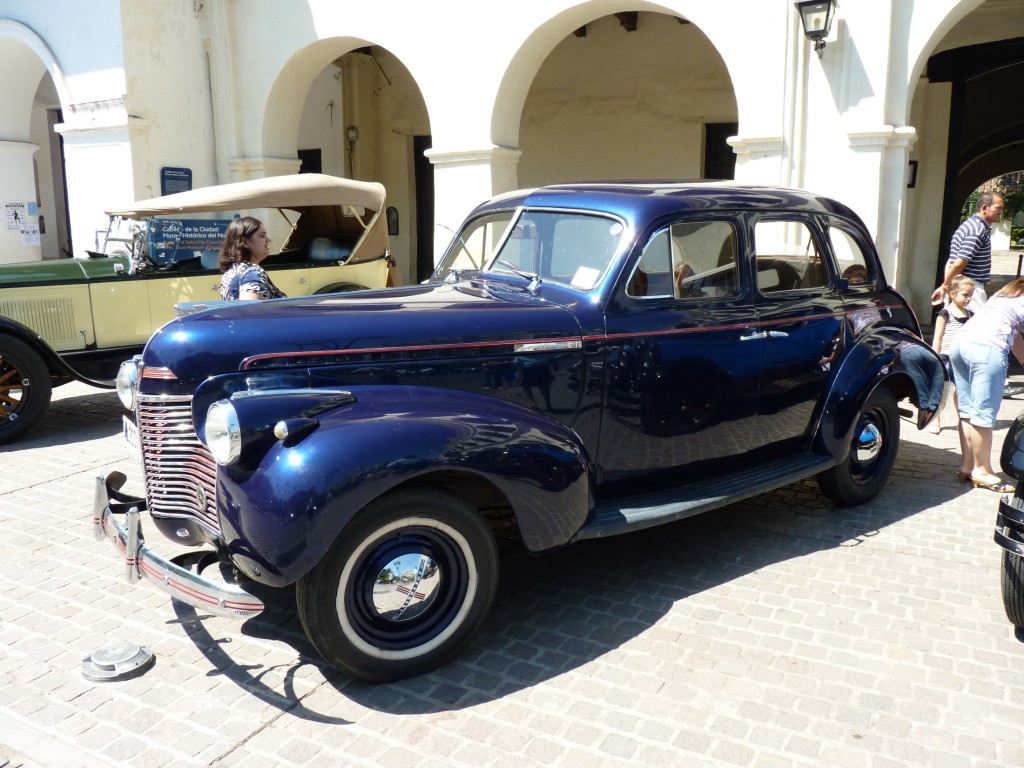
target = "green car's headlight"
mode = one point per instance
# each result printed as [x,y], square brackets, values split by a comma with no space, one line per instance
[223,433]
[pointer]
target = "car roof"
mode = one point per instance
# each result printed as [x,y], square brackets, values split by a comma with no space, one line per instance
[631,199]
[294,192]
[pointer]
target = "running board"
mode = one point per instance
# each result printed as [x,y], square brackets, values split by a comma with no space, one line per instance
[645,511]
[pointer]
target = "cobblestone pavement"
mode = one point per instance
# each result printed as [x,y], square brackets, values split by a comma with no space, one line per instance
[781,631]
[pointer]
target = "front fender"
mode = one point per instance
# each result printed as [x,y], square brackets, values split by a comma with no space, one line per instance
[53,362]
[280,514]
[1011,457]
[886,357]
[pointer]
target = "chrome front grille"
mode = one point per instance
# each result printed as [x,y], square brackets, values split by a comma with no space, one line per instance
[181,475]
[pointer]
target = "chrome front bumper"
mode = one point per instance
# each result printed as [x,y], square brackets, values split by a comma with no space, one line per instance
[140,562]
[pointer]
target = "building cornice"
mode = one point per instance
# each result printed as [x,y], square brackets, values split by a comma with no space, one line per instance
[489,156]
[883,136]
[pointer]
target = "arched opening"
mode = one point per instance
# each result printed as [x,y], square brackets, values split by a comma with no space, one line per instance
[629,95]
[347,108]
[971,130]
[32,180]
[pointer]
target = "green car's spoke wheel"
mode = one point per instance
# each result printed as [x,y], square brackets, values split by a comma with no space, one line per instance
[404,588]
[24,388]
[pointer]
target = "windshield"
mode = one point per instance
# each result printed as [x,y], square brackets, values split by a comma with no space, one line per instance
[565,247]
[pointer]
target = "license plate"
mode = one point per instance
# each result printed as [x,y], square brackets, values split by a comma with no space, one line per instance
[131,438]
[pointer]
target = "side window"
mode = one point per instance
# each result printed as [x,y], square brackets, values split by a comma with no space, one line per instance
[788,257]
[652,276]
[704,259]
[850,258]
[692,259]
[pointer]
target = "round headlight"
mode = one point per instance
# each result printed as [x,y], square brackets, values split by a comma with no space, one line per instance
[126,381]
[223,434]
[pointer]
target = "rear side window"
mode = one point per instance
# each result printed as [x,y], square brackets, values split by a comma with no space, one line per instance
[689,259]
[788,257]
[853,266]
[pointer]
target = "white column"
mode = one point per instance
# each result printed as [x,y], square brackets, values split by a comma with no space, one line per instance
[19,188]
[882,153]
[243,169]
[462,180]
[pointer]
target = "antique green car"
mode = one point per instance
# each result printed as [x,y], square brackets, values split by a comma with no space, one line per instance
[79,319]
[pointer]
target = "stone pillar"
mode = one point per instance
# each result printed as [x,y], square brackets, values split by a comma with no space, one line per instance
[462,180]
[881,154]
[243,169]
[20,189]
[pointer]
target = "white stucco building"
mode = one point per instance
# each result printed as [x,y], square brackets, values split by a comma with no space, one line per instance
[906,111]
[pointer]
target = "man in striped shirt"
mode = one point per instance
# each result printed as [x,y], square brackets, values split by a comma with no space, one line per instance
[970,251]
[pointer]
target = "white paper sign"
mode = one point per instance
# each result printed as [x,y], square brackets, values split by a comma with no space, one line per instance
[16,216]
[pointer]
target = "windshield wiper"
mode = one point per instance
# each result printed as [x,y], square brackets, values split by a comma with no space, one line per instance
[534,279]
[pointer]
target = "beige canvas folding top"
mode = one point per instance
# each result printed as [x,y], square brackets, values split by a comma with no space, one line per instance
[327,206]
[294,192]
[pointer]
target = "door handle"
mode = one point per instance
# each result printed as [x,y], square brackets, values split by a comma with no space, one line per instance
[302,281]
[778,334]
[754,335]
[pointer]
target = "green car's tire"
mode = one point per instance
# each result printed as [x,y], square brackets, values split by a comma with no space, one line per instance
[24,388]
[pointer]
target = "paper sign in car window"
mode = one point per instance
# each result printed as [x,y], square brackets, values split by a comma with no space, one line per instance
[585,278]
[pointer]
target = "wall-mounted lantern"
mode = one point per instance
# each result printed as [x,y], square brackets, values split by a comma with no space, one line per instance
[817,20]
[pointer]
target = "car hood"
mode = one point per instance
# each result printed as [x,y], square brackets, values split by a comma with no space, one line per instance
[24,274]
[420,322]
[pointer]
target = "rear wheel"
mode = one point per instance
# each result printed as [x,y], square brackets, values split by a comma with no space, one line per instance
[404,588]
[24,388]
[864,472]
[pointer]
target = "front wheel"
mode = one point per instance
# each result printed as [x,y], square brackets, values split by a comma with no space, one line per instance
[1012,569]
[404,588]
[1013,588]
[862,474]
[24,388]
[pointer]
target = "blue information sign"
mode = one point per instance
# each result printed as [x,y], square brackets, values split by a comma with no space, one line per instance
[173,240]
[175,180]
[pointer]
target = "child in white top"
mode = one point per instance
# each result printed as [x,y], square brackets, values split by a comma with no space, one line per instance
[948,323]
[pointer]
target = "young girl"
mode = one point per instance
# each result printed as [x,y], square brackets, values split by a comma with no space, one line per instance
[948,323]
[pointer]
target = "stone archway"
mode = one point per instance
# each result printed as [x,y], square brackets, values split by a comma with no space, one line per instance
[598,91]
[362,109]
[31,166]
[966,129]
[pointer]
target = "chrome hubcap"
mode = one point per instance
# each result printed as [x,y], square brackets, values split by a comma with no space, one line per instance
[869,443]
[406,587]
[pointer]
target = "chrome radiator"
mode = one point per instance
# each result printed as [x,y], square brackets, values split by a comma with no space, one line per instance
[181,475]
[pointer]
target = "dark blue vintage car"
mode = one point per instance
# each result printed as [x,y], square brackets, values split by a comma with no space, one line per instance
[587,360]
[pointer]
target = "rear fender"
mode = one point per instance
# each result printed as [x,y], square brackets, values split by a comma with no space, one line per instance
[884,358]
[282,509]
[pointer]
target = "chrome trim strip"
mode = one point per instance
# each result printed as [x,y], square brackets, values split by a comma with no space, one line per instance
[548,346]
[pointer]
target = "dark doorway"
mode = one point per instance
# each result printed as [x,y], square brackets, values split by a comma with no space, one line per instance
[310,161]
[67,249]
[719,157]
[986,126]
[424,172]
